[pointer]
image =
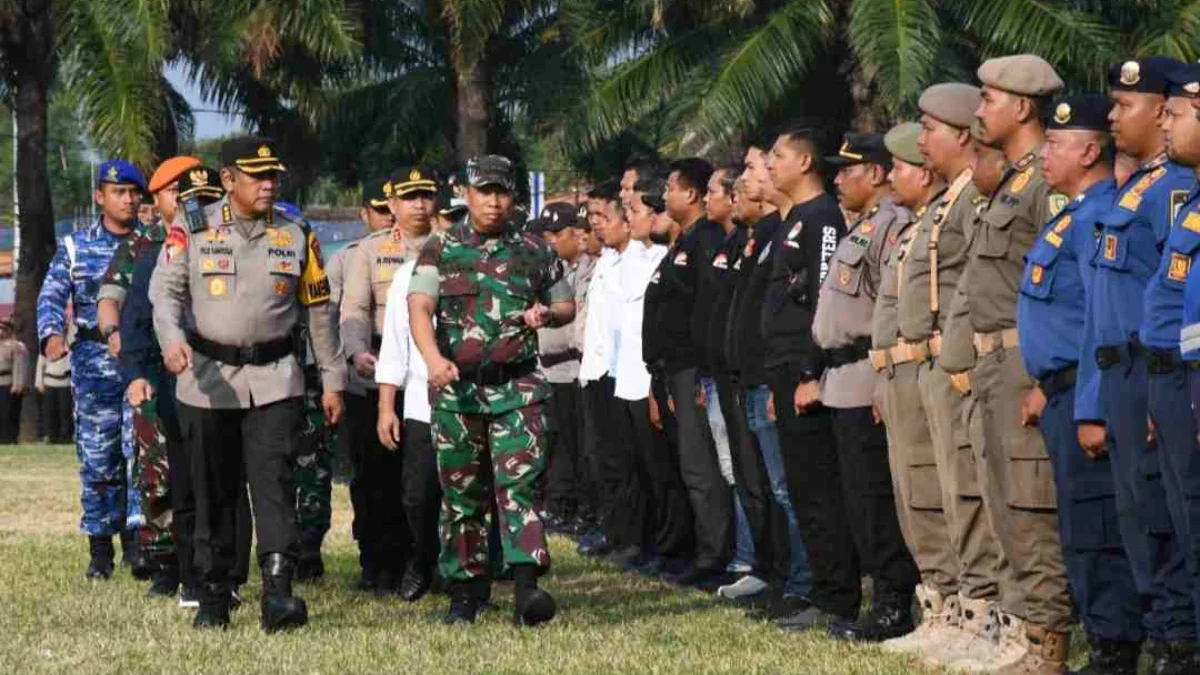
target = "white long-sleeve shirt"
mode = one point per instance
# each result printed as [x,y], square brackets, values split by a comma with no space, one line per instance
[400,364]
[603,295]
[632,378]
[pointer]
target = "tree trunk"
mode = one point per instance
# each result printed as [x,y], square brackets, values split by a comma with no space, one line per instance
[473,119]
[32,62]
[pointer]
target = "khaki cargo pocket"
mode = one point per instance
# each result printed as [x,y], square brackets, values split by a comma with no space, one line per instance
[924,487]
[1031,483]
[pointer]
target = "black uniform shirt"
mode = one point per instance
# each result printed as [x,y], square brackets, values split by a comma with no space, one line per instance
[725,280]
[673,299]
[744,340]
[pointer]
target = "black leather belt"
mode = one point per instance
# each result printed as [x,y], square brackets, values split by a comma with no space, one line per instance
[1059,381]
[551,360]
[259,354]
[496,374]
[1107,357]
[5,373]
[1163,361]
[89,333]
[846,354]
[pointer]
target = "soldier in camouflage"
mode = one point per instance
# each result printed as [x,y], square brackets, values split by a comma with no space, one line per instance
[490,288]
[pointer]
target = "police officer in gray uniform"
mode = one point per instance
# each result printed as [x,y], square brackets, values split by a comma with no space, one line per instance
[842,328]
[226,298]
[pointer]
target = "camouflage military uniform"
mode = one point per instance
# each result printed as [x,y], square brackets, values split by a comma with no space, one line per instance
[483,285]
[313,474]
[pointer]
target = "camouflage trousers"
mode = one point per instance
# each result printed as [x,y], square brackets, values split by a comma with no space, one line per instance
[100,416]
[313,473]
[481,457]
[153,479]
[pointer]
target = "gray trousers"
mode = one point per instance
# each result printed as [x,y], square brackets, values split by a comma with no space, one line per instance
[707,490]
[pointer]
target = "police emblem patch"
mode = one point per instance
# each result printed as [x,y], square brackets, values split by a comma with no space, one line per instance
[1180,265]
[1131,73]
[844,274]
[1062,114]
[281,287]
[1056,203]
[264,151]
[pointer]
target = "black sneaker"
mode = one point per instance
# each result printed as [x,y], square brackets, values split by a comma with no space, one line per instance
[188,597]
[808,619]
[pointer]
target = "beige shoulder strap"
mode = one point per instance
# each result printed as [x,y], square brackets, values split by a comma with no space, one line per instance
[935,230]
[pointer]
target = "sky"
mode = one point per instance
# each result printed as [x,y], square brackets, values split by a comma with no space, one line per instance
[208,124]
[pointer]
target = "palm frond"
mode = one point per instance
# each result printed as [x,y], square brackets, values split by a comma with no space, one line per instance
[1173,31]
[897,43]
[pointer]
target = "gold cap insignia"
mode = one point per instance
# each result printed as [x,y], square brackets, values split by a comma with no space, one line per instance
[1192,88]
[1131,73]
[264,151]
[414,175]
[1062,114]
[198,178]
[112,173]
[387,189]
[844,151]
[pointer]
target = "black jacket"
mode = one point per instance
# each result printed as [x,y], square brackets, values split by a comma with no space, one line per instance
[672,334]
[744,347]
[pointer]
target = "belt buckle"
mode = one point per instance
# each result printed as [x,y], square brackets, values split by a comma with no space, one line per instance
[248,354]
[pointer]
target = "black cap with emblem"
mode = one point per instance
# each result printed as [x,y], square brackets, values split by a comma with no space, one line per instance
[251,154]
[413,180]
[1145,76]
[1086,112]
[861,149]
[201,183]
[375,193]
[1184,80]
[559,216]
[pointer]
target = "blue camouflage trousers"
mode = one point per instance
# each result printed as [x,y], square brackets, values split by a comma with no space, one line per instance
[101,418]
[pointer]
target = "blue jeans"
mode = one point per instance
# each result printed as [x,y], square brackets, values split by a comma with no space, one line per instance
[800,581]
[743,555]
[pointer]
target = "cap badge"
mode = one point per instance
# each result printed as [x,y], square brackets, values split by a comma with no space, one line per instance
[845,151]
[1131,73]
[198,178]
[387,189]
[112,172]
[414,175]
[264,151]
[1192,88]
[1062,114]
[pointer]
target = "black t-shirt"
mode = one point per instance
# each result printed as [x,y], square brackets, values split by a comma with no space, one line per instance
[744,348]
[724,279]
[676,294]
[805,244]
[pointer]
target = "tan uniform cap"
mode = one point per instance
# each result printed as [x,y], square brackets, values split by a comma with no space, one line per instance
[1021,74]
[954,103]
[901,141]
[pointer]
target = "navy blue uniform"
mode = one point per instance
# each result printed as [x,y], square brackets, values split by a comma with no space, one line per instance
[1050,309]
[1170,397]
[1126,257]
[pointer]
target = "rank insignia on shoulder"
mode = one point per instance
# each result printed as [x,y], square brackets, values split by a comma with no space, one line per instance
[226,213]
[1192,222]
[1020,182]
[1054,239]
[1179,268]
[1057,202]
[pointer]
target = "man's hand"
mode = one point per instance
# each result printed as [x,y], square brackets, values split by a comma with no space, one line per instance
[771,405]
[442,372]
[41,389]
[56,347]
[1032,407]
[18,389]
[114,344]
[655,416]
[1091,438]
[1151,434]
[178,357]
[138,392]
[388,428]
[701,397]
[806,395]
[535,317]
[876,413]
[961,382]
[331,403]
[364,364]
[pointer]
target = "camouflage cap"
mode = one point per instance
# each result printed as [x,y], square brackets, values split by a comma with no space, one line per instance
[901,141]
[954,103]
[1020,74]
[485,170]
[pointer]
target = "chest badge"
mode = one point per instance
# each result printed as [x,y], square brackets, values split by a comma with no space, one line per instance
[1110,247]
[1036,274]
[1020,182]
[281,287]
[1180,265]
[279,238]
[844,275]
[217,287]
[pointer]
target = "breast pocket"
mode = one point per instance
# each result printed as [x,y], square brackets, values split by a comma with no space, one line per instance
[995,233]
[284,267]
[458,293]
[848,268]
[1038,281]
[1112,249]
[219,276]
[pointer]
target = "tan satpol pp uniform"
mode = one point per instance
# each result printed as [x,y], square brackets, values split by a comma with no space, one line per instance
[1021,493]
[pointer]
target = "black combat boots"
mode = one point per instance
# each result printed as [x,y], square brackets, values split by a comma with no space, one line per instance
[280,610]
[533,605]
[890,617]
[101,564]
[165,577]
[133,557]
[1110,657]
[213,613]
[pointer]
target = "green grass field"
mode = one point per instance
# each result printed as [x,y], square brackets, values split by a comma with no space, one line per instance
[54,621]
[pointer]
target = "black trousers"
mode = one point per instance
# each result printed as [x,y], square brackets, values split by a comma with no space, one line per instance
[380,525]
[10,415]
[621,504]
[667,527]
[766,520]
[421,494]
[810,459]
[712,502]
[871,504]
[228,449]
[564,477]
